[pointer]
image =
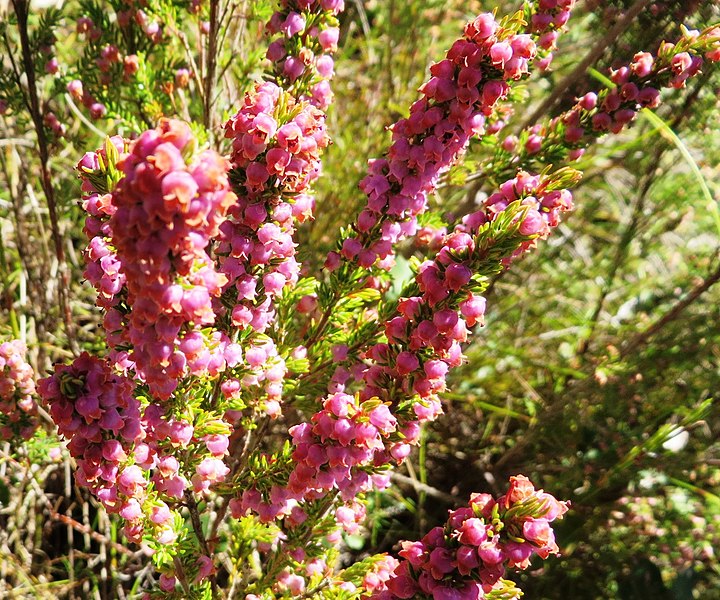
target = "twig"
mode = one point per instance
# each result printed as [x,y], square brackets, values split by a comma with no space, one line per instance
[241,455]
[180,574]
[210,68]
[197,528]
[83,119]
[21,11]
[195,518]
[365,24]
[641,338]
[16,142]
[70,530]
[425,488]
[237,45]
[85,530]
[191,59]
[228,12]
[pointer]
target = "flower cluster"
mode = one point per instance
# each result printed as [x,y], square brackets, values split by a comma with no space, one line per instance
[175,457]
[547,18]
[148,24]
[544,200]
[461,95]
[276,142]
[263,369]
[331,453]
[550,15]
[463,90]
[99,176]
[78,93]
[94,408]
[276,147]
[189,250]
[111,60]
[86,26]
[127,455]
[348,443]
[18,410]
[302,56]
[467,558]
[354,436]
[51,121]
[460,99]
[637,85]
[167,208]
[425,337]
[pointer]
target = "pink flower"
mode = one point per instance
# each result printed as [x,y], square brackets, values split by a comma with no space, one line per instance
[131,479]
[538,531]
[217,444]
[212,470]
[294,24]
[473,532]
[160,514]
[520,489]
[467,560]
[131,510]
[205,568]
[328,39]
[167,582]
[483,27]
[407,363]
[532,223]
[97,110]
[440,562]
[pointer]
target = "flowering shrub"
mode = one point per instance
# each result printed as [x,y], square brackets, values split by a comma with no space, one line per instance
[216,335]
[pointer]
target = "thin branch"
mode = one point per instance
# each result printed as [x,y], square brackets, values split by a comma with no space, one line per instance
[17,142]
[641,338]
[86,530]
[191,59]
[197,528]
[83,119]
[181,577]
[195,518]
[425,488]
[210,69]
[21,11]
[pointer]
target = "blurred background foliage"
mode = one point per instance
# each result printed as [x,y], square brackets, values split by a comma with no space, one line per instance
[596,374]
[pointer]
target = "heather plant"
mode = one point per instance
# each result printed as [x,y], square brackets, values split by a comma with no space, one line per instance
[231,413]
